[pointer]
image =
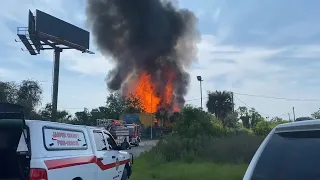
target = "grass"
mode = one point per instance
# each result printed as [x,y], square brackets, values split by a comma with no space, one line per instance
[143,170]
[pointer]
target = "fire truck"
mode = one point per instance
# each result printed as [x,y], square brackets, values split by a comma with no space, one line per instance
[119,131]
[134,134]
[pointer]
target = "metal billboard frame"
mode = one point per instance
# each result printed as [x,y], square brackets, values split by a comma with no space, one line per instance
[36,41]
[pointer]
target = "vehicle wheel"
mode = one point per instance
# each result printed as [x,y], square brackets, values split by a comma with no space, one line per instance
[125,174]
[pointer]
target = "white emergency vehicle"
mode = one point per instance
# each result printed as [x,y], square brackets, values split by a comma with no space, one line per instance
[43,150]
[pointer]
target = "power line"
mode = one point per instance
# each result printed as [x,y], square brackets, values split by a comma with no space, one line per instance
[267,97]
[279,98]
[260,111]
[249,106]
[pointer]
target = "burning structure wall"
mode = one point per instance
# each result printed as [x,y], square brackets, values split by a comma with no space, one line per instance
[152,43]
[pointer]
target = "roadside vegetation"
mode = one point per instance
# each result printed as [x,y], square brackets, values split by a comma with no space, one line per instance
[214,144]
[218,144]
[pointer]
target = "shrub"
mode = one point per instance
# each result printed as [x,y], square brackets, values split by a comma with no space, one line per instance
[230,149]
[195,122]
[199,136]
[263,128]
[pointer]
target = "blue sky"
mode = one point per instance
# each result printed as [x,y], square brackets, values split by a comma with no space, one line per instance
[269,48]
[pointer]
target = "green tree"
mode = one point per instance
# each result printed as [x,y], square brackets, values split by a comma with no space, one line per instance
[316,114]
[255,117]
[133,104]
[8,92]
[244,116]
[220,104]
[98,113]
[27,93]
[46,113]
[115,106]
[231,120]
[194,122]
[87,117]
[263,128]
[83,118]
[276,119]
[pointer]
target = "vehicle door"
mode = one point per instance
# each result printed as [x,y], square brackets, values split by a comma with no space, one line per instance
[114,152]
[105,163]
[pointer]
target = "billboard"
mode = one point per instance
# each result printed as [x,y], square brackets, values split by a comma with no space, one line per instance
[65,33]
[32,32]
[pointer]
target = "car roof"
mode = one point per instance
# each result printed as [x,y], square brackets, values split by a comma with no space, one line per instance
[51,122]
[299,125]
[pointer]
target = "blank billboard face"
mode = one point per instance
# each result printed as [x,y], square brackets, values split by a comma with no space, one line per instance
[55,27]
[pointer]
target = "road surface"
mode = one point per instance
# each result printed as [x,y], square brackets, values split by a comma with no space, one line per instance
[144,146]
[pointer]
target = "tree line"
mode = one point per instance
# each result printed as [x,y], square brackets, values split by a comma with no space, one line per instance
[220,104]
[28,93]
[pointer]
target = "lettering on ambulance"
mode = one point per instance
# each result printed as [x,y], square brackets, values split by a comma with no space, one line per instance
[64,139]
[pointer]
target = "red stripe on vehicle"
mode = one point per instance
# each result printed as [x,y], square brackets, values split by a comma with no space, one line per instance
[68,162]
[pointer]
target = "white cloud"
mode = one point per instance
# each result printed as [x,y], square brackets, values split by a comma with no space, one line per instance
[242,69]
[251,73]
[86,63]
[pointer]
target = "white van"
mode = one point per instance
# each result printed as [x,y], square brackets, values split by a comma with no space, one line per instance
[43,150]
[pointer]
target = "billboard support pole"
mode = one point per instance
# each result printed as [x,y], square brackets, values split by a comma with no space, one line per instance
[55,88]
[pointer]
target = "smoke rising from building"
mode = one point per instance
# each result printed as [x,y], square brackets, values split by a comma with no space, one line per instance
[145,36]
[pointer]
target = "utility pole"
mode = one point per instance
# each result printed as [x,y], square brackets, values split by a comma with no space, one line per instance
[200,80]
[232,101]
[294,114]
[289,116]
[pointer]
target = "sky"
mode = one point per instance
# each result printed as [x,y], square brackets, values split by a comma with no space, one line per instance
[266,52]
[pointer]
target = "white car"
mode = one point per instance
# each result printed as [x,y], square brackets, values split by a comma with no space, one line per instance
[291,151]
[43,150]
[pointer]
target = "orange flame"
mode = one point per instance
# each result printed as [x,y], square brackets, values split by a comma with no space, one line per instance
[144,89]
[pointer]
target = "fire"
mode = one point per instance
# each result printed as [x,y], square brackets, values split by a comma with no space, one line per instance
[145,90]
[176,108]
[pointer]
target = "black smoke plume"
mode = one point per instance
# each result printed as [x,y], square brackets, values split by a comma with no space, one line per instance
[152,36]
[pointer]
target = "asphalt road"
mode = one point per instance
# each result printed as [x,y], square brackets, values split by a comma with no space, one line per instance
[144,146]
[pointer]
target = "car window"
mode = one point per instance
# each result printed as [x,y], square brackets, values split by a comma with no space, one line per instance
[290,156]
[100,141]
[111,142]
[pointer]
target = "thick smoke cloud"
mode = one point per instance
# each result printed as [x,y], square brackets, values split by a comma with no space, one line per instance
[145,36]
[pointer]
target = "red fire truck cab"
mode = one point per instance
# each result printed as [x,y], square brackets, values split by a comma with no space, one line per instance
[134,134]
[118,130]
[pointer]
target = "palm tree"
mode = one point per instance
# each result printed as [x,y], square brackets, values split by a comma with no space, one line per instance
[220,104]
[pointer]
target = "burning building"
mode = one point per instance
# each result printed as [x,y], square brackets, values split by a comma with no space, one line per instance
[152,43]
